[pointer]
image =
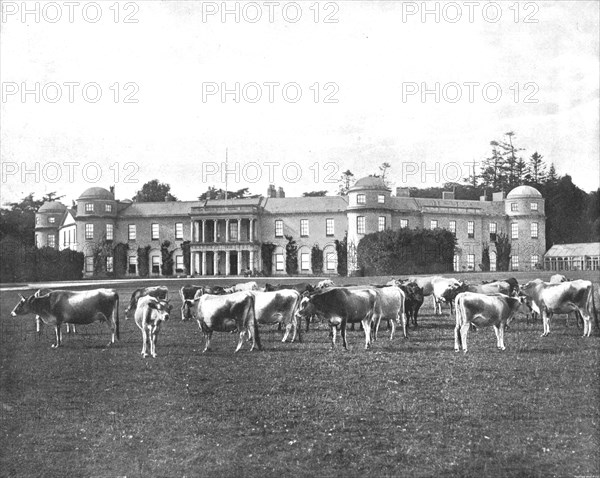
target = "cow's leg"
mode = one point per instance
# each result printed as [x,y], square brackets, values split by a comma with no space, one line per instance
[58,337]
[546,316]
[332,333]
[367,324]
[587,321]
[207,337]
[464,330]
[457,338]
[38,324]
[404,325]
[144,352]
[499,336]
[393,328]
[153,343]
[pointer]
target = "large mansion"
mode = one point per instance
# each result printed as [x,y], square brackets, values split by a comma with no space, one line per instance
[226,235]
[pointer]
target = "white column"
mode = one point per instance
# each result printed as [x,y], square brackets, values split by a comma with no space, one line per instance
[215,262]
[251,265]
[227,238]
[238,263]
[227,263]
[197,263]
[251,226]
[203,232]
[193,263]
[203,263]
[215,222]
[239,234]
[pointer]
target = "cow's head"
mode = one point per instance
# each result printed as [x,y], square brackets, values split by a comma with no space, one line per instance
[186,308]
[162,307]
[23,306]
[528,288]
[306,308]
[269,287]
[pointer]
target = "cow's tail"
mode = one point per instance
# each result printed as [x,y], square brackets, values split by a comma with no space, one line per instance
[459,312]
[254,320]
[591,306]
[296,320]
[116,317]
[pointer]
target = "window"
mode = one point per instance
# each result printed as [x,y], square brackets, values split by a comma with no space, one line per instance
[89,207]
[471,229]
[456,263]
[533,206]
[155,230]
[305,261]
[131,232]
[109,232]
[303,227]
[433,224]
[514,263]
[381,223]
[329,230]
[535,259]
[279,265]
[38,220]
[132,269]
[514,231]
[233,230]
[156,264]
[89,231]
[452,227]
[403,223]
[514,207]
[493,230]
[361,199]
[278,228]
[51,220]
[360,224]
[381,198]
[331,261]
[534,230]
[179,230]
[89,264]
[51,240]
[179,267]
[109,264]
[108,207]
[471,262]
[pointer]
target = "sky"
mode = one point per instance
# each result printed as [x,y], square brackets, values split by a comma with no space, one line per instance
[292,93]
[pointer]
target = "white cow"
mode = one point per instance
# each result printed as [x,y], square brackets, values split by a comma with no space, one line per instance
[149,315]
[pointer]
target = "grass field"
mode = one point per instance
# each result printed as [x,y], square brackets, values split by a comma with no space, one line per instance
[405,408]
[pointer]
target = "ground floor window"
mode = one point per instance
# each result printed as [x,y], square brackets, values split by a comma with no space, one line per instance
[279,265]
[514,263]
[305,261]
[331,261]
[89,264]
[179,267]
[456,263]
[535,259]
[132,266]
[471,262]
[156,264]
[109,264]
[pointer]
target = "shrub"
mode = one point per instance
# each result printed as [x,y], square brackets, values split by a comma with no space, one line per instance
[316,259]
[291,256]
[266,252]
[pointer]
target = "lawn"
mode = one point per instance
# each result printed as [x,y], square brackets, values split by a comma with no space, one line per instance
[405,408]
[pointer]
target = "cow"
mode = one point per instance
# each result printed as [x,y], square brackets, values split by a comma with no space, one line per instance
[242,287]
[159,292]
[300,287]
[486,288]
[214,290]
[562,298]
[278,307]
[63,306]
[413,302]
[391,308]
[513,286]
[481,310]
[228,313]
[439,287]
[558,278]
[149,315]
[38,320]
[340,306]
[324,284]
[187,294]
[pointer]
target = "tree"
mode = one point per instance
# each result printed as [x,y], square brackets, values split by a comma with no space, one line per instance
[552,177]
[503,248]
[345,182]
[536,169]
[341,248]
[167,258]
[120,259]
[316,259]
[493,169]
[100,251]
[143,259]
[154,191]
[485,257]
[266,253]
[291,256]
[315,194]
[17,220]
[214,193]
[187,256]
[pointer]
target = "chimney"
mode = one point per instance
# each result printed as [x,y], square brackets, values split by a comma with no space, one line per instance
[499,196]
[280,192]
[271,192]
[447,194]
[112,190]
[403,192]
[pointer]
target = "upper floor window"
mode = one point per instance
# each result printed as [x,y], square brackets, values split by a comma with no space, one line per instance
[533,206]
[179,230]
[278,228]
[361,199]
[471,229]
[51,240]
[109,232]
[89,207]
[433,224]
[381,198]
[51,220]
[403,223]
[303,227]
[514,230]
[534,230]
[89,231]
[360,224]
[452,227]
[381,223]
[131,232]
[108,207]
[329,227]
[155,231]
[493,230]
[514,206]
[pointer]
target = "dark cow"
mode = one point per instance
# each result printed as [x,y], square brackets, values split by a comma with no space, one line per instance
[214,290]
[486,288]
[483,310]
[562,298]
[414,301]
[158,292]
[63,306]
[340,306]
[38,320]
[278,307]
[149,316]
[187,294]
[228,313]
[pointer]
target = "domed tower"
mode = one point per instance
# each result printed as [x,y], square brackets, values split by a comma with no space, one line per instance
[369,210]
[48,219]
[96,217]
[525,208]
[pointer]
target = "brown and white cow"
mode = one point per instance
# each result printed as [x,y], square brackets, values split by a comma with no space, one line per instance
[228,313]
[149,315]
[187,294]
[483,310]
[440,287]
[324,284]
[278,307]
[63,306]
[244,286]
[562,298]
[159,292]
[340,306]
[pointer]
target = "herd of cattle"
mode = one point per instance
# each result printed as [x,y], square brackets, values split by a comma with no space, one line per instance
[243,307]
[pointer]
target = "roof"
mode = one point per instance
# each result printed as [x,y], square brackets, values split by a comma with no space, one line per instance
[255,201]
[52,206]
[311,204]
[577,249]
[453,206]
[524,192]
[97,193]
[163,208]
[370,182]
